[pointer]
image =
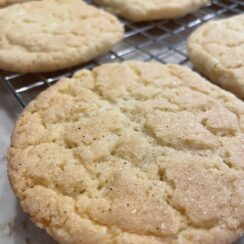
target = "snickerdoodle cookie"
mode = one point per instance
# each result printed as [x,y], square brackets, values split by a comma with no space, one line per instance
[217,50]
[132,153]
[49,35]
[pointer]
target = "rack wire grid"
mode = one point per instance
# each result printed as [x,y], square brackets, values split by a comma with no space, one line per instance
[163,41]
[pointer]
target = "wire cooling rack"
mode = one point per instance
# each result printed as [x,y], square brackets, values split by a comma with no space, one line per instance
[164,41]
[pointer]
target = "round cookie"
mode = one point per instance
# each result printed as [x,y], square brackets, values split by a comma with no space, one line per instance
[49,35]
[220,56]
[141,10]
[132,153]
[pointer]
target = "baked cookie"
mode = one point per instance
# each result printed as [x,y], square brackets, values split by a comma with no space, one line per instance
[49,35]
[132,153]
[217,50]
[141,10]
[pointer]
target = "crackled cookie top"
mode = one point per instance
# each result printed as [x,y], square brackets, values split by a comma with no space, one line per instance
[217,51]
[141,10]
[132,153]
[48,35]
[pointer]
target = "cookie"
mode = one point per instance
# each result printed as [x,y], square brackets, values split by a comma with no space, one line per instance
[141,10]
[57,34]
[132,153]
[217,50]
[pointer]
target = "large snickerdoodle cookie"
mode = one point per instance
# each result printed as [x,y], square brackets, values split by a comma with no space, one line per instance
[132,153]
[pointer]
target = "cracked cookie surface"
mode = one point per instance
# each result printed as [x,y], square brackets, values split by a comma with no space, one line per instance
[132,153]
[57,34]
[217,50]
[141,10]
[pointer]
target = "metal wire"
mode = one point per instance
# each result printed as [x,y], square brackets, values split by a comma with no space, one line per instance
[164,41]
